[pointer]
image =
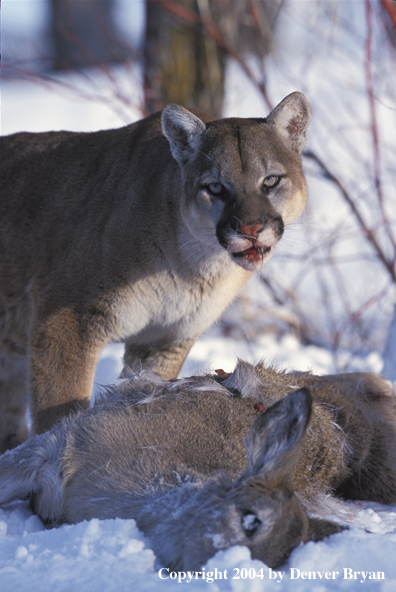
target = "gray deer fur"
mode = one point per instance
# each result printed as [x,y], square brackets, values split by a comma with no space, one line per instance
[200,468]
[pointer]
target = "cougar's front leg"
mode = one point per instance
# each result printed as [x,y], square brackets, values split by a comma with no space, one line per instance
[63,356]
[165,359]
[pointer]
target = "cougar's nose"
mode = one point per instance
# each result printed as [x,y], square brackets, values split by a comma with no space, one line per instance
[252,231]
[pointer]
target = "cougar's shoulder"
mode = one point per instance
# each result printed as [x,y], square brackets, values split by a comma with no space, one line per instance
[142,234]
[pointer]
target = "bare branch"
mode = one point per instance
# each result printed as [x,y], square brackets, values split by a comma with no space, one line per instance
[367,232]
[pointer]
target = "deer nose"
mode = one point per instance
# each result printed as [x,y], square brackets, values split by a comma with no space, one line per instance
[252,230]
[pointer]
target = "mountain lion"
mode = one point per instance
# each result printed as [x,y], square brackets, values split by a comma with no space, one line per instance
[142,234]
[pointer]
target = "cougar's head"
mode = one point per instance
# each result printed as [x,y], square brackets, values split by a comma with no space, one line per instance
[242,178]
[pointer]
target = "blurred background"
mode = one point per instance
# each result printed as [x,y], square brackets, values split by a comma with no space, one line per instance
[93,64]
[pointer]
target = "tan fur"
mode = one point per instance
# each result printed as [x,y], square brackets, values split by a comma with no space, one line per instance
[142,234]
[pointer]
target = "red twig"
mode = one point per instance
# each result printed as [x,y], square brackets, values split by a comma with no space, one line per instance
[390,8]
[373,117]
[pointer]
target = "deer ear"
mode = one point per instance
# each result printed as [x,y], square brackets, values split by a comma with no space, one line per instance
[183,131]
[320,529]
[290,120]
[273,443]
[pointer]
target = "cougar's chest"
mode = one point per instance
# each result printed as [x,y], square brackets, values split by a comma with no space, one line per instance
[168,305]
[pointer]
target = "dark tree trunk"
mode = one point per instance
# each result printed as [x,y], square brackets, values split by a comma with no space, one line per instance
[184,64]
[181,64]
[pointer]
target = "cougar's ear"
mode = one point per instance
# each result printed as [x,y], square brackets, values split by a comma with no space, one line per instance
[183,131]
[290,120]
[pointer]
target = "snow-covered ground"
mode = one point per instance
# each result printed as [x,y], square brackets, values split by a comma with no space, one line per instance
[113,556]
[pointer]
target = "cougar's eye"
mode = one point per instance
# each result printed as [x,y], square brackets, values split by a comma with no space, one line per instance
[271,180]
[216,188]
[250,523]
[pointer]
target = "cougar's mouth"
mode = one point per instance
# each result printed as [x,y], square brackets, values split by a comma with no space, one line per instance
[252,258]
[254,247]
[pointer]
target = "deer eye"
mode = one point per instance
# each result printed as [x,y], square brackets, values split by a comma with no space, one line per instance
[271,180]
[250,524]
[216,188]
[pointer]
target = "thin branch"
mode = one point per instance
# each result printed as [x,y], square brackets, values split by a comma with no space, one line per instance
[367,232]
[358,313]
[373,116]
